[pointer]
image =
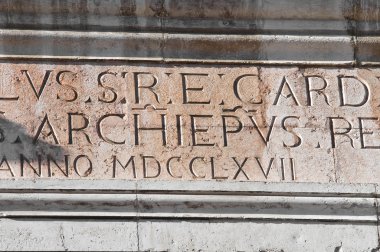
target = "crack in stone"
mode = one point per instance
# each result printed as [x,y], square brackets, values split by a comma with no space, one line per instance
[137,217]
[62,238]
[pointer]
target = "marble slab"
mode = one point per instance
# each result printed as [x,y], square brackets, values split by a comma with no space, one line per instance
[150,121]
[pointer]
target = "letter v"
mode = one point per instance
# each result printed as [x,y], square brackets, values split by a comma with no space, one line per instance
[46,78]
[267,137]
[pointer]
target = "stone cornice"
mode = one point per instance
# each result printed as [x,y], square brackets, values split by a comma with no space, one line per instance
[320,32]
[242,16]
[176,47]
[189,200]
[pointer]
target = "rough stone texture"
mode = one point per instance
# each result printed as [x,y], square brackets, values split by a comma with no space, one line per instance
[186,216]
[52,101]
[67,235]
[333,32]
[175,235]
[220,200]
[173,122]
[256,236]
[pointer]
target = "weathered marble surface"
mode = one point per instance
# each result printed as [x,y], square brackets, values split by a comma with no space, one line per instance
[159,235]
[186,122]
[116,215]
[329,134]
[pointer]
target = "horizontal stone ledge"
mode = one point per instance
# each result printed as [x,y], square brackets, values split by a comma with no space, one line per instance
[181,199]
[207,26]
[244,16]
[319,9]
[188,206]
[210,187]
[170,47]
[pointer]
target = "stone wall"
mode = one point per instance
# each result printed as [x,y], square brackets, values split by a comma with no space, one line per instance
[178,125]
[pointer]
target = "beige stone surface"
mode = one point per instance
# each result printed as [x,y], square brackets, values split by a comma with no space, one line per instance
[174,235]
[188,122]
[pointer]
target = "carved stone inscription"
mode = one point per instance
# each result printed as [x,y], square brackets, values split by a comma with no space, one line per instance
[171,122]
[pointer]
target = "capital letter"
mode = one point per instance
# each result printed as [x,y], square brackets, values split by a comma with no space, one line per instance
[145,167]
[236,88]
[316,90]
[342,94]
[225,131]
[99,128]
[51,132]
[71,127]
[291,93]
[44,81]
[185,89]
[333,133]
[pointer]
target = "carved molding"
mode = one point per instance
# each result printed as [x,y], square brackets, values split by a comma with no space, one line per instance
[189,200]
[243,32]
[244,16]
[200,48]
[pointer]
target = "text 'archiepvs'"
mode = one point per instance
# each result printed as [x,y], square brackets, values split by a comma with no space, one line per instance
[185,122]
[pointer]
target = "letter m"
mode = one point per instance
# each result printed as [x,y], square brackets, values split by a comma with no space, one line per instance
[117,161]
